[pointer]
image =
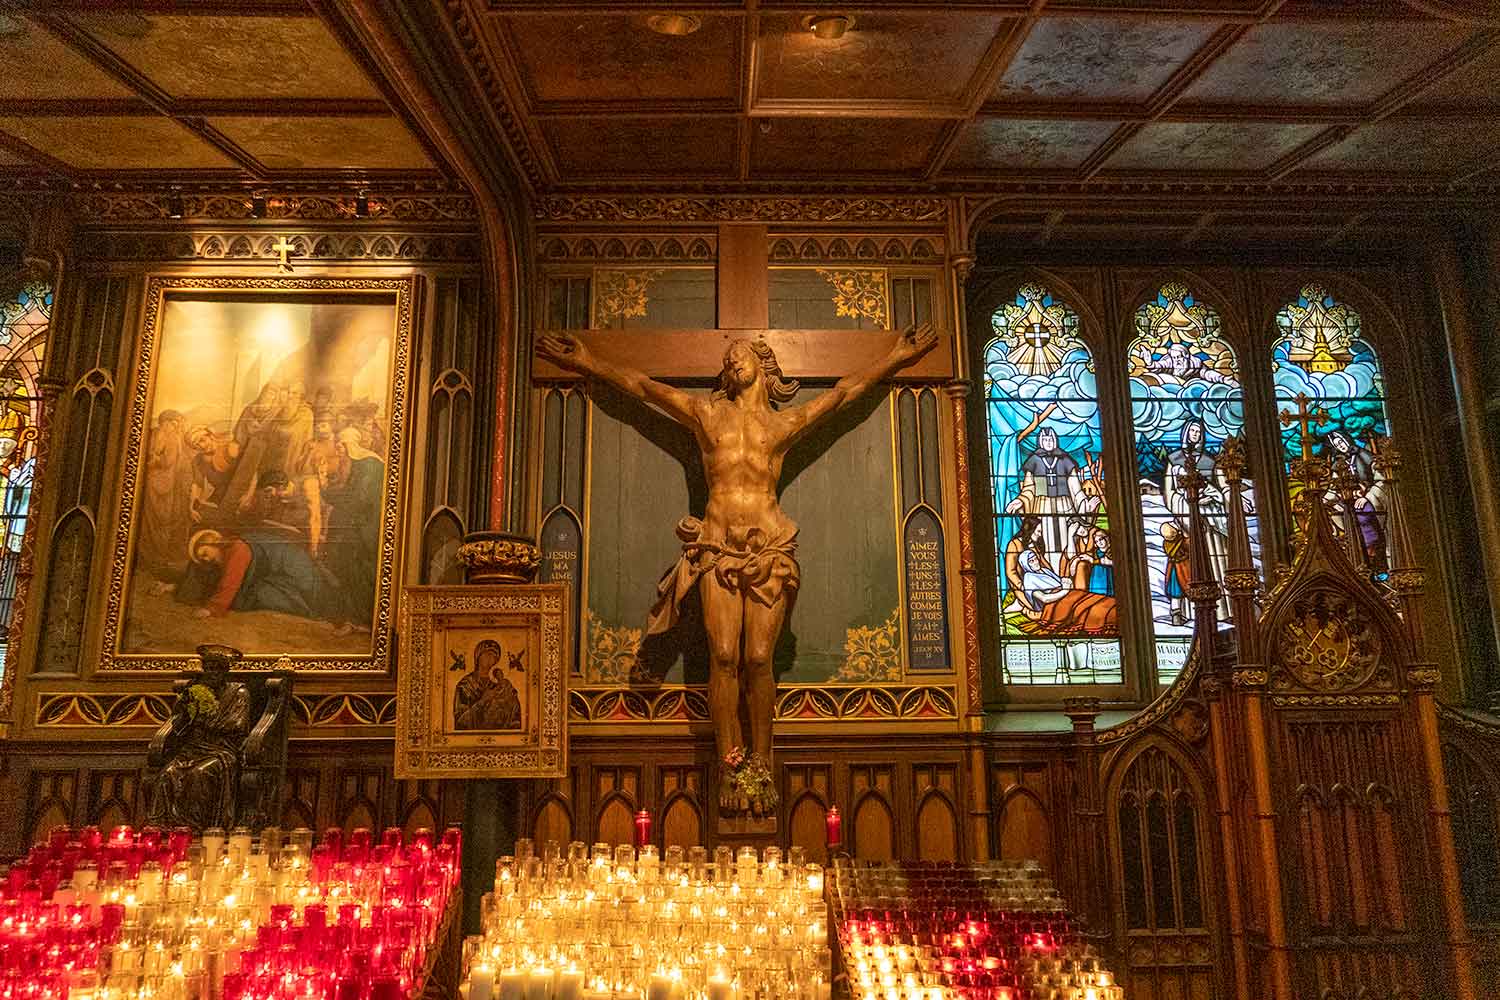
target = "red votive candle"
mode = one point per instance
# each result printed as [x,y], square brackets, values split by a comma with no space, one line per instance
[835,825]
[642,829]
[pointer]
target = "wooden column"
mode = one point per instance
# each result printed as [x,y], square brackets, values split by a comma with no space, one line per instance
[1251,692]
[1088,815]
[1468,361]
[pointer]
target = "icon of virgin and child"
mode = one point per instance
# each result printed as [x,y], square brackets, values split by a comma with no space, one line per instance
[485,697]
[263,476]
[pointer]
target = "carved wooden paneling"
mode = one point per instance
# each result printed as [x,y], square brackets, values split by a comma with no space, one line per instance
[553,808]
[361,795]
[935,790]
[1348,854]
[447,413]
[616,797]
[1469,761]
[680,805]
[51,800]
[807,794]
[299,805]
[1020,804]
[1160,852]
[114,798]
[873,812]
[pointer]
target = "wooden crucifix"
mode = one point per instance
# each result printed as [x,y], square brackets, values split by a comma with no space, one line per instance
[741,556]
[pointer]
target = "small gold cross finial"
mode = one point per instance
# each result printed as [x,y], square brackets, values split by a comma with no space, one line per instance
[284,247]
[1305,418]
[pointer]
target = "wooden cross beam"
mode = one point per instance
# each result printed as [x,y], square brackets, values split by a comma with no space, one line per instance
[1305,418]
[744,313]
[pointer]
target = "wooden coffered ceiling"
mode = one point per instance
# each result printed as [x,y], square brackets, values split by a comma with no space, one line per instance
[1207,107]
[963,95]
[110,92]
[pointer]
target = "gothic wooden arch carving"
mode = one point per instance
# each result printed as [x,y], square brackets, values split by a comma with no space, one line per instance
[1163,850]
[1312,652]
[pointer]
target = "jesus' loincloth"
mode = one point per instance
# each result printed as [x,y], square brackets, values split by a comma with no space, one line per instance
[745,562]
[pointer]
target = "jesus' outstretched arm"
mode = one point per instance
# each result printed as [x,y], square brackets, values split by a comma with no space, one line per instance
[569,352]
[910,346]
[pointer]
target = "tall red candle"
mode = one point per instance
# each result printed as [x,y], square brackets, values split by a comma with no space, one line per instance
[835,824]
[642,829]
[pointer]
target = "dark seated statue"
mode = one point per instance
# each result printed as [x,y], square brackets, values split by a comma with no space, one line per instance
[219,761]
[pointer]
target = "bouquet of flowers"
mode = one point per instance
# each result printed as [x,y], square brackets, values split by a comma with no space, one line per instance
[748,778]
[199,700]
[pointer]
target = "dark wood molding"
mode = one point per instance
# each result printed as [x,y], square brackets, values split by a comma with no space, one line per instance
[1166,95]
[33,156]
[996,60]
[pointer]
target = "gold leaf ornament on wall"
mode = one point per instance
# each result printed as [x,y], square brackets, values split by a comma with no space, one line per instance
[613,651]
[620,294]
[858,292]
[873,653]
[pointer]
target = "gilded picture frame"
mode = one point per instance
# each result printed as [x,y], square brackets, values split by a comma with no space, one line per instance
[482,687]
[366,430]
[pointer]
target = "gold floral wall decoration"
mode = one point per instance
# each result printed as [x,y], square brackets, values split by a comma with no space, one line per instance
[613,651]
[874,652]
[858,292]
[621,293]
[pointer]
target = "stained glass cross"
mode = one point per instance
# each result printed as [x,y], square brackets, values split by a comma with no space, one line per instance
[1038,336]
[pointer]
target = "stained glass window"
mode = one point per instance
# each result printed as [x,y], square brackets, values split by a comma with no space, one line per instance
[1185,399]
[1059,618]
[23,336]
[1322,355]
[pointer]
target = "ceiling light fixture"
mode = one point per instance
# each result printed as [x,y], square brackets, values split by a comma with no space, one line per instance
[362,205]
[257,204]
[828,26]
[673,24]
[175,207]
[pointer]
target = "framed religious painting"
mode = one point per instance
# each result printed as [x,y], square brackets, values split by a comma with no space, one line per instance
[260,502]
[482,686]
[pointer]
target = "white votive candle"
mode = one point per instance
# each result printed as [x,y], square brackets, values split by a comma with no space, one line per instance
[512,985]
[569,985]
[539,985]
[481,982]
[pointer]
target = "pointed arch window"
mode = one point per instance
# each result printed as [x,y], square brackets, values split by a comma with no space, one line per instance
[1185,399]
[24,322]
[1059,622]
[1323,359]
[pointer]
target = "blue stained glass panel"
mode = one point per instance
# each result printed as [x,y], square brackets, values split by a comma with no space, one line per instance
[1185,399]
[24,322]
[1323,357]
[1055,564]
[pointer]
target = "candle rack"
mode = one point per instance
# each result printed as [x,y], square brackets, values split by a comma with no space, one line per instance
[147,916]
[620,922]
[941,931]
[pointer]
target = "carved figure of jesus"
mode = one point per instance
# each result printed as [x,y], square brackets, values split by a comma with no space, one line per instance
[741,556]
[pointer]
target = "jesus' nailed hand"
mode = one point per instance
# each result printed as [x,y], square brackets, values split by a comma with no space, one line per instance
[741,556]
